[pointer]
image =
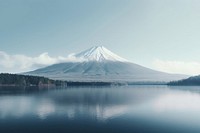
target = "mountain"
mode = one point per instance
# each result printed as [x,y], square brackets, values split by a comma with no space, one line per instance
[99,64]
[195,80]
[99,54]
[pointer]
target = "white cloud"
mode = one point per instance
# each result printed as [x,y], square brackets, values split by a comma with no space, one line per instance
[180,67]
[23,63]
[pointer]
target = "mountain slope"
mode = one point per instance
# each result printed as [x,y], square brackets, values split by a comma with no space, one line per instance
[100,64]
[99,53]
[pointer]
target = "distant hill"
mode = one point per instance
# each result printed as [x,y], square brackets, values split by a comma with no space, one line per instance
[26,80]
[195,80]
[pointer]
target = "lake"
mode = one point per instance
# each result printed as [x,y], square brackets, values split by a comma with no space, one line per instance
[116,109]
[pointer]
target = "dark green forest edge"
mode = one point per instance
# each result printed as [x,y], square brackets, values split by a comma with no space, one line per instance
[191,81]
[25,80]
[7,79]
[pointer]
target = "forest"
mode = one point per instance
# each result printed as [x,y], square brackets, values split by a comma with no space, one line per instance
[191,81]
[7,79]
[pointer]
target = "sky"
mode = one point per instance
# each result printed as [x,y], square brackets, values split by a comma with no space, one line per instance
[158,34]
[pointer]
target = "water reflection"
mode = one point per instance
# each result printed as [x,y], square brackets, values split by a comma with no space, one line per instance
[155,104]
[177,101]
[99,103]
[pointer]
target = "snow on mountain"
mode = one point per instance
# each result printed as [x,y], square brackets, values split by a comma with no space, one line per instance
[98,53]
[100,64]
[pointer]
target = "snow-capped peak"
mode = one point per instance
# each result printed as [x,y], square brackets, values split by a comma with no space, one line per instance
[99,53]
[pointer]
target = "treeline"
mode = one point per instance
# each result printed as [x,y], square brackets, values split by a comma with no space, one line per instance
[26,80]
[187,82]
[70,83]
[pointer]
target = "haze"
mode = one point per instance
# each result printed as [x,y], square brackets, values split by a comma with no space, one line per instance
[159,34]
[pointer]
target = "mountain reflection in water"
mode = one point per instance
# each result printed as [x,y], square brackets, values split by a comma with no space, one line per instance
[131,108]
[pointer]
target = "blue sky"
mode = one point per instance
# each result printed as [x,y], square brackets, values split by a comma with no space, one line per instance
[160,34]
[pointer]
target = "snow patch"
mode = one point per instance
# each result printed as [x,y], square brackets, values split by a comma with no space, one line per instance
[98,53]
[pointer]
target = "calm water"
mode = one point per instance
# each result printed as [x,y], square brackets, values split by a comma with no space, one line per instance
[125,109]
